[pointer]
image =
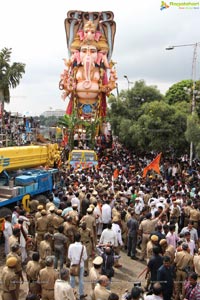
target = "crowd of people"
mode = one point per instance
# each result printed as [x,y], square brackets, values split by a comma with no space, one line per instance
[94,215]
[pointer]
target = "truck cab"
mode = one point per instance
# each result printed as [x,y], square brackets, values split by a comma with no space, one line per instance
[82,159]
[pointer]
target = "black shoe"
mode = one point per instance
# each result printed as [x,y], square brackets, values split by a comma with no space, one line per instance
[134,257]
[85,273]
[128,254]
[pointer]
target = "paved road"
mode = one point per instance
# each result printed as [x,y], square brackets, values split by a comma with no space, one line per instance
[124,277]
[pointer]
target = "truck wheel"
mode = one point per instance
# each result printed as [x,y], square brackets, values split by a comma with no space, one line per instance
[42,199]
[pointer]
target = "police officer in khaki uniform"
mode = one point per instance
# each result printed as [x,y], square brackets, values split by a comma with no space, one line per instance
[151,243]
[32,271]
[186,210]
[195,215]
[95,271]
[14,238]
[15,252]
[9,279]
[145,228]
[47,277]
[167,250]
[45,249]
[90,221]
[41,227]
[57,220]
[38,213]
[74,214]
[87,241]
[50,217]
[33,205]
[182,260]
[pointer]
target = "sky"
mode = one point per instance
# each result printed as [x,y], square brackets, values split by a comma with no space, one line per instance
[34,29]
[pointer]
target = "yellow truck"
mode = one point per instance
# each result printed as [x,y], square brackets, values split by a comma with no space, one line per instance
[26,172]
[82,159]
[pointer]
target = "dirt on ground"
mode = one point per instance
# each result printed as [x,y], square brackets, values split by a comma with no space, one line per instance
[131,272]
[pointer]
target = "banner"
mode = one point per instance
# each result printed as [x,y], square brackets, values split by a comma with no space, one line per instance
[154,165]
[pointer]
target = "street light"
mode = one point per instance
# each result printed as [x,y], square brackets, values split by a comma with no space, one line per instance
[193,104]
[129,82]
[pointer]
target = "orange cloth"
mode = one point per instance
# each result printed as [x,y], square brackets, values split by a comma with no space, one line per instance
[115,173]
[154,165]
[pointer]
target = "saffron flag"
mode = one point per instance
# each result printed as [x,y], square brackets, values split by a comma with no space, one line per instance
[115,174]
[154,165]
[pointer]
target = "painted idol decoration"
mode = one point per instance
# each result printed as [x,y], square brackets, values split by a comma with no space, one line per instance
[89,75]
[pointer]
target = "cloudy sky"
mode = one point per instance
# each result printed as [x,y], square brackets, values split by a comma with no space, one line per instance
[34,29]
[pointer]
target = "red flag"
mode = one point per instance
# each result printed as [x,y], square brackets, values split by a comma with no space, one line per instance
[154,165]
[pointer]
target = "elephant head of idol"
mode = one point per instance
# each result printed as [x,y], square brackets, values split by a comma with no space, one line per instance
[88,58]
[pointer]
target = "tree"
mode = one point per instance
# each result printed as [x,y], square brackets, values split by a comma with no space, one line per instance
[193,131]
[178,91]
[10,75]
[129,103]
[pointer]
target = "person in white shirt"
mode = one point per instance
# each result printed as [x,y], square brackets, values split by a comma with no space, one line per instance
[74,254]
[106,213]
[138,207]
[116,228]
[75,200]
[192,230]
[190,242]
[98,215]
[7,232]
[62,288]
[15,215]
[108,236]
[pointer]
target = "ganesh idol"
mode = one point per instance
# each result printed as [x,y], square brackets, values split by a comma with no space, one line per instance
[85,79]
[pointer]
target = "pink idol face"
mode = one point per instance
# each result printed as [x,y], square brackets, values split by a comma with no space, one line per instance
[89,34]
[88,51]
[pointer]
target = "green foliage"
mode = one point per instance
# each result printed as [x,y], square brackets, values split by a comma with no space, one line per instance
[10,75]
[152,124]
[177,92]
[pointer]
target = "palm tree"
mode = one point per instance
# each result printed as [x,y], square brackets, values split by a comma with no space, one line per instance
[10,75]
[70,122]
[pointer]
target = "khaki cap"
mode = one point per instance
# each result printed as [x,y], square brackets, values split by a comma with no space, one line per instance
[43,212]
[59,211]
[92,206]
[51,208]
[163,242]
[40,207]
[98,260]
[89,209]
[11,261]
[154,238]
